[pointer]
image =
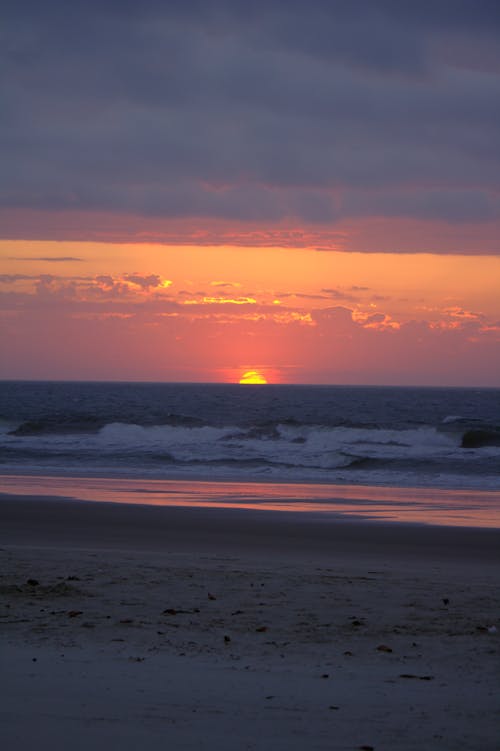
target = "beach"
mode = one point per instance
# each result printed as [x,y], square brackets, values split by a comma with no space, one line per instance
[129,625]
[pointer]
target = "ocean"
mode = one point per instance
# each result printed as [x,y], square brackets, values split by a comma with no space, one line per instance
[385,436]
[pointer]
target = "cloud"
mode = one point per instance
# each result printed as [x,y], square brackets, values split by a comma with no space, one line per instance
[314,113]
[226,285]
[212,300]
[54,259]
[341,294]
[148,281]
[14,278]
[49,289]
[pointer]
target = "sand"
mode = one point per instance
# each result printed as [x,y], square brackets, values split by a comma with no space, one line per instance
[132,627]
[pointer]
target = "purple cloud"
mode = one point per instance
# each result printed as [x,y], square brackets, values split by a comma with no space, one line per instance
[314,112]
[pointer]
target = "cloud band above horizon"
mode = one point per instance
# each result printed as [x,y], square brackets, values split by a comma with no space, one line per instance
[245,118]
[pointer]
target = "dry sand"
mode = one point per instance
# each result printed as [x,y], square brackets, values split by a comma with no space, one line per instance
[129,627]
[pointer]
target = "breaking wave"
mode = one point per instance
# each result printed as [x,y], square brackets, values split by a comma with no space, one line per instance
[324,434]
[287,451]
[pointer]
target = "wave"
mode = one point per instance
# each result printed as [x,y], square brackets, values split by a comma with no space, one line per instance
[108,423]
[292,444]
[480,437]
[236,439]
[68,424]
[472,433]
[62,425]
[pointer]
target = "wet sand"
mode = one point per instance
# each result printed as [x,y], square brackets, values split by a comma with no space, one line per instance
[125,626]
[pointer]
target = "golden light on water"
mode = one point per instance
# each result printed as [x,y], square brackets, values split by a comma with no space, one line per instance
[252,377]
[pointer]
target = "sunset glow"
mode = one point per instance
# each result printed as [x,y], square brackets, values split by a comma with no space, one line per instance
[151,312]
[351,238]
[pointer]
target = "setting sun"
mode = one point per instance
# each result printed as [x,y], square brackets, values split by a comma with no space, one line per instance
[252,377]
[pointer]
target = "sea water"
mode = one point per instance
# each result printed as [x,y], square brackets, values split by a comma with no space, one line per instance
[414,437]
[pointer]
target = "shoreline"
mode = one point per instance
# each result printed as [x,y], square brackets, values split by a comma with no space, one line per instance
[60,522]
[453,483]
[349,503]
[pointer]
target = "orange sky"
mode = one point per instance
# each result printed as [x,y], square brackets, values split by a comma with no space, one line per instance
[156,312]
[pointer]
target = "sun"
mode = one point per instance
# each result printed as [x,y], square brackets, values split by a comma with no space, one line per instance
[252,377]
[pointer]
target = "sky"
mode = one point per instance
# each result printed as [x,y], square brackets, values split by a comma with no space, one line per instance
[302,192]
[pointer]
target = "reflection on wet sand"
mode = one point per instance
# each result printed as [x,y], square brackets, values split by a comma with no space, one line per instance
[468,508]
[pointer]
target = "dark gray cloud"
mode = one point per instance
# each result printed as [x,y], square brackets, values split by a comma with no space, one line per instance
[257,112]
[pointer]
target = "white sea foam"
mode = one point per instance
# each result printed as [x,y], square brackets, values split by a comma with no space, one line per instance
[159,436]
